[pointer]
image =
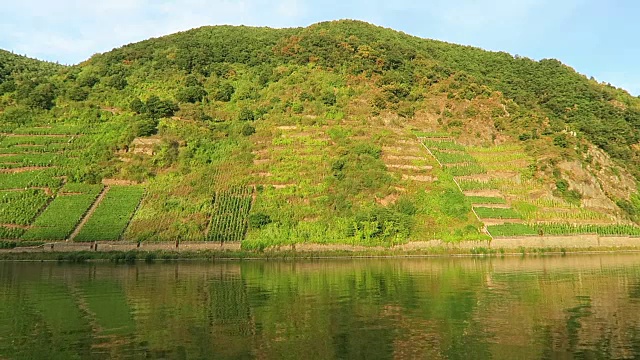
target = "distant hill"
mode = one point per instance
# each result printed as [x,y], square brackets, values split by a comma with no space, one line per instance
[341,132]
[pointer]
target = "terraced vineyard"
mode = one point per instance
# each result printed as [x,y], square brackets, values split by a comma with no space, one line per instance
[36,204]
[113,214]
[64,213]
[491,178]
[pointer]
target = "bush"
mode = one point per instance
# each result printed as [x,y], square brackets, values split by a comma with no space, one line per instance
[248,130]
[157,108]
[130,257]
[224,92]
[259,220]
[246,114]
[561,141]
[328,98]
[137,106]
[191,94]
[78,93]
[150,257]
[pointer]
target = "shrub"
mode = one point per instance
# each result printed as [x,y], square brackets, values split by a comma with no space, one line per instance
[246,114]
[248,130]
[191,94]
[224,92]
[259,220]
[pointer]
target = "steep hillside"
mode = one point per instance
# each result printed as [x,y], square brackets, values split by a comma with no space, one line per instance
[341,132]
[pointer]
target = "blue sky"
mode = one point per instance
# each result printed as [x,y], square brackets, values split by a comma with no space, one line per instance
[597,38]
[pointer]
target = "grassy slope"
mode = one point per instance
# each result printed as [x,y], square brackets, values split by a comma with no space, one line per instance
[320,122]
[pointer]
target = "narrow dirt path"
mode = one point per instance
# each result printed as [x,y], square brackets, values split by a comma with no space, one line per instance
[46,190]
[24,169]
[15,226]
[87,216]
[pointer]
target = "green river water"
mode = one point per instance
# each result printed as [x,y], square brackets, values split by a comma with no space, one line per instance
[573,307]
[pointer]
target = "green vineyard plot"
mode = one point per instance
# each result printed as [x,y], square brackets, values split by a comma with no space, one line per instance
[453,158]
[230,214]
[7,233]
[60,218]
[505,230]
[21,207]
[496,213]
[50,130]
[28,179]
[443,145]
[486,200]
[16,141]
[44,159]
[465,169]
[112,215]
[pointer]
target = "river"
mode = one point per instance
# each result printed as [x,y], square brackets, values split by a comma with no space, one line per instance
[579,306]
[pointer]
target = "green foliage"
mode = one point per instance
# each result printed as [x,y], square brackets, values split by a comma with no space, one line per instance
[561,140]
[259,220]
[328,97]
[156,108]
[631,206]
[570,195]
[191,94]
[380,224]
[512,230]
[224,92]
[42,97]
[453,204]
[16,115]
[136,105]
[247,130]
[78,93]
[246,114]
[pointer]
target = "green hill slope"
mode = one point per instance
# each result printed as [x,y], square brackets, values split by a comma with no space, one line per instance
[342,132]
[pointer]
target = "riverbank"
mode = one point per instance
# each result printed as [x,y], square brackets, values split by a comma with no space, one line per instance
[127,252]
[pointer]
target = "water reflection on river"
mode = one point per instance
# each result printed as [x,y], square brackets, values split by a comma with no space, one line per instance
[503,308]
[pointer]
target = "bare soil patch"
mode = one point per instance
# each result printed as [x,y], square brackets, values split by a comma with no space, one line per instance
[261,161]
[493,206]
[485,193]
[410,167]
[389,199]
[110,182]
[15,226]
[421,178]
[23,169]
[403,157]
[92,209]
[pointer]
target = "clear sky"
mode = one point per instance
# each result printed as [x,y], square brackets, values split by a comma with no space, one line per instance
[598,38]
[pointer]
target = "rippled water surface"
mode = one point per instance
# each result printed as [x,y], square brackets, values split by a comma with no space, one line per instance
[501,308]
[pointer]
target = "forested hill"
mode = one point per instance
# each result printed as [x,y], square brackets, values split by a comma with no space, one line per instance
[338,132]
